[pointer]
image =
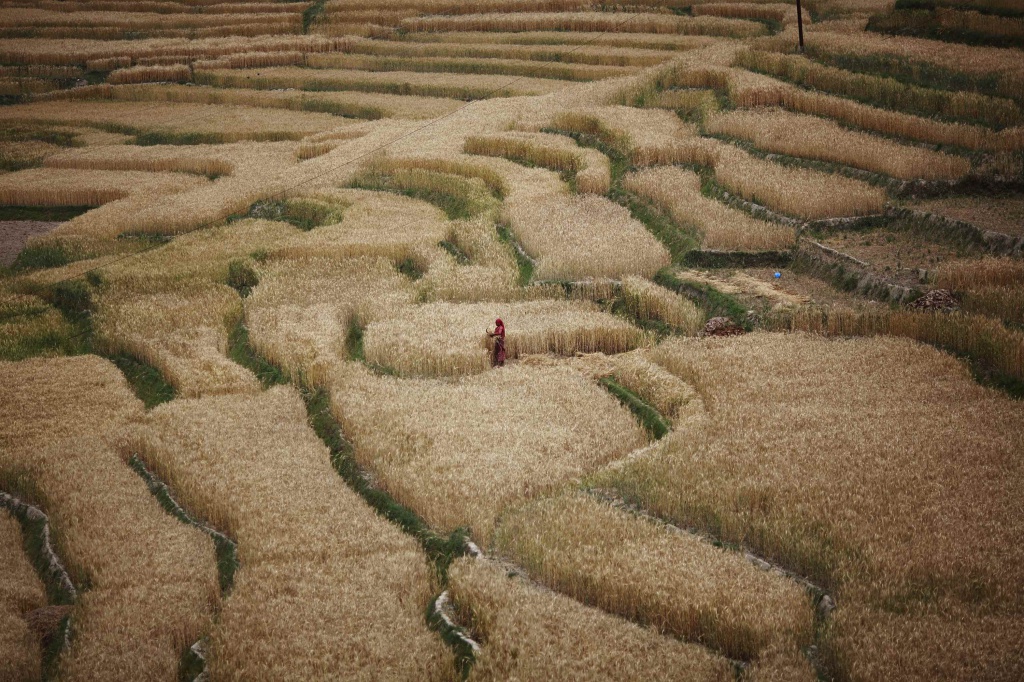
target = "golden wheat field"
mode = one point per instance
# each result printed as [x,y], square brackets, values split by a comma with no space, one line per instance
[535,340]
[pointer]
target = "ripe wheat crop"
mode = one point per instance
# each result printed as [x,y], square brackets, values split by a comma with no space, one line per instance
[648,301]
[182,330]
[800,192]
[85,187]
[761,472]
[817,138]
[502,66]
[455,467]
[584,236]
[678,583]
[347,589]
[885,92]
[672,397]
[531,633]
[20,593]
[591,168]
[178,73]
[967,274]
[588,21]
[460,86]
[151,580]
[722,227]
[300,314]
[449,339]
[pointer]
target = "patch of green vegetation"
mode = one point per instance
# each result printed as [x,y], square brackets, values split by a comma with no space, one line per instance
[652,420]
[148,238]
[242,352]
[345,109]
[311,14]
[155,137]
[39,256]
[49,214]
[458,254]
[354,341]
[241,277]
[713,302]
[146,381]
[305,214]
[525,264]
[464,655]
[411,268]
[59,138]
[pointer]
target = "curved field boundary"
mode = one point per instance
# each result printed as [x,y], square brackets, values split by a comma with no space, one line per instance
[60,590]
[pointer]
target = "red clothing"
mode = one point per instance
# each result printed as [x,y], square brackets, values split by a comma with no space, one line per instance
[498,356]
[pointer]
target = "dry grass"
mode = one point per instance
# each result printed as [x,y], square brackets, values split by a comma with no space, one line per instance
[123,52]
[800,192]
[454,86]
[20,592]
[648,301]
[576,40]
[299,315]
[530,633]
[590,168]
[459,453]
[563,54]
[817,138]
[177,73]
[668,394]
[583,236]
[953,24]
[167,160]
[355,104]
[887,93]
[968,274]
[648,137]
[915,534]
[984,340]
[866,117]
[85,187]
[588,21]
[326,588]
[503,66]
[376,224]
[181,329]
[444,339]
[680,584]
[678,192]
[217,123]
[151,580]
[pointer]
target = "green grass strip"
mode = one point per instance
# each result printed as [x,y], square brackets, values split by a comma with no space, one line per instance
[242,352]
[148,384]
[652,420]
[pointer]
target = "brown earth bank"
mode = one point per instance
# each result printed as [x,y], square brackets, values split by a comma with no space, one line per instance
[14,235]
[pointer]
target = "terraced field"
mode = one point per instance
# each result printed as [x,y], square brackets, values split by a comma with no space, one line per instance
[759,415]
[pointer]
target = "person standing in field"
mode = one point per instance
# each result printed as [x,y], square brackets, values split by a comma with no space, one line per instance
[498,354]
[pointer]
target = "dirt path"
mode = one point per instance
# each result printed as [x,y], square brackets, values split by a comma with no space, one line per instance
[15,233]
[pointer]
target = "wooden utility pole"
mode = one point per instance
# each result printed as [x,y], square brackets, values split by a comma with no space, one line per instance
[800,25]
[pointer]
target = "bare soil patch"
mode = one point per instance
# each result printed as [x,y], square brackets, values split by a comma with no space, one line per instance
[15,233]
